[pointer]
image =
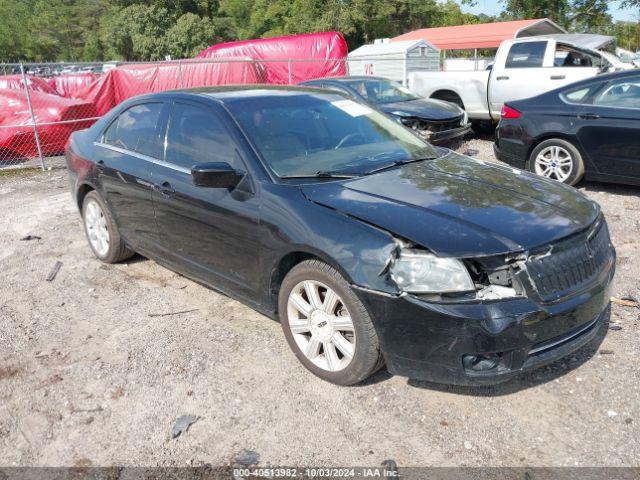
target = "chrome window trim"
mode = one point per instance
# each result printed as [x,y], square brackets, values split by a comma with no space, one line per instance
[141,156]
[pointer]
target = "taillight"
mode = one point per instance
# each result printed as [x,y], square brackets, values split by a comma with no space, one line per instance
[509,112]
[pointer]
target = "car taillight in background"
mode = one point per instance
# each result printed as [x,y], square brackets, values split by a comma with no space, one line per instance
[509,112]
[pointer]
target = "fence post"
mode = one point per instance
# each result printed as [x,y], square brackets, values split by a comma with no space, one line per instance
[180,73]
[33,117]
[289,69]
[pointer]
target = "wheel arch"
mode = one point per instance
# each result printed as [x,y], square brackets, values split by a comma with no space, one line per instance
[81,193]
[448,96]
[288,261]
[551,136]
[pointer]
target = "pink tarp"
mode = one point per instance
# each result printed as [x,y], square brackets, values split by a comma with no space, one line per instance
[68,85]
[327,49]
[16,129]
[127,81]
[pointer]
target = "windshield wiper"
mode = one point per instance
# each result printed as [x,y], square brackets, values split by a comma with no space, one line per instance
[397,163]
[321,174]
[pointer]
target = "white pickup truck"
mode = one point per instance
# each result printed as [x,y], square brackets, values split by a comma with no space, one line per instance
[523,68]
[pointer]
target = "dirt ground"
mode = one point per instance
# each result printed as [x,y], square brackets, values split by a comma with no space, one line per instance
[89,375]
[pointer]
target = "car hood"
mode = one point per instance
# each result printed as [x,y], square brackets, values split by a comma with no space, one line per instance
[462,207]
[423,108]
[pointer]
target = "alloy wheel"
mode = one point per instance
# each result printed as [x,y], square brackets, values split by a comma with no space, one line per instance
[554,162]
[321,325]
[97,229]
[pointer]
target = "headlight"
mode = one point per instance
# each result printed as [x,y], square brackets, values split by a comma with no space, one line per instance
[415,271]
[399,113]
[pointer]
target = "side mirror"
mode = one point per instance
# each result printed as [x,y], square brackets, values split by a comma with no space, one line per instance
[215,175]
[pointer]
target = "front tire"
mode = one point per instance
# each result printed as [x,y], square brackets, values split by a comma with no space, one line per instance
[101,230]
[558,160]
[326,324]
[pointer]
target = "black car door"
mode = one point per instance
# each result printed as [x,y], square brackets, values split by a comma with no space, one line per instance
[610,128]
[126,152]
[211,233]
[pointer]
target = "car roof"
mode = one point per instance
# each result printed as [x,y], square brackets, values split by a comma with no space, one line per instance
[606,77]
[231,93]
[344,78]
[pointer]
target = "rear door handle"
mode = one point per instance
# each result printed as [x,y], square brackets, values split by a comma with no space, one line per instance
[502,77]
[558,77]
[165,189]
[588,116]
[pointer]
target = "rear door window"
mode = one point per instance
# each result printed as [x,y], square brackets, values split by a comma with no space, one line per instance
[195,135]
[137,130]
[526,55]
[622,93]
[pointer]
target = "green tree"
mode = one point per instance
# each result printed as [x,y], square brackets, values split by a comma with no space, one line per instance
[14,32]
[191,34]
[136,32]
[577,15]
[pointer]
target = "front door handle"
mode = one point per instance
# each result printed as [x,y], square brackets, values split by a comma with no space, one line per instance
[588,116]
[165,189]
[502,77]
[558,77]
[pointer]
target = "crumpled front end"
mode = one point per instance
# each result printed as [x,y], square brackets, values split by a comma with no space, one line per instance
[438,131]
[529,309]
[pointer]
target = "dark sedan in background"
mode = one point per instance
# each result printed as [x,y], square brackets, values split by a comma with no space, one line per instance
[370,245]
[588,129]
[436,120]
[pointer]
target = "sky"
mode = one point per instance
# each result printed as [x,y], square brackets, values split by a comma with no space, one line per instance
[493,7]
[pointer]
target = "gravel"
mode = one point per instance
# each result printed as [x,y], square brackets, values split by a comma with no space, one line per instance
[89,377]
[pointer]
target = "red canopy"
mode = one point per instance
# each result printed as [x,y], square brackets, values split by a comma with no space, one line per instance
[327,51]
[481,35]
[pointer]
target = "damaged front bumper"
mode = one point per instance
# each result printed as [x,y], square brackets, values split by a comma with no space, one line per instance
[483,342]
[446,135]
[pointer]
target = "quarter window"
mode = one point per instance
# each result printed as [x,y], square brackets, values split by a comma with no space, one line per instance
[579,95]
[195,135]
[526,55]
[136,129]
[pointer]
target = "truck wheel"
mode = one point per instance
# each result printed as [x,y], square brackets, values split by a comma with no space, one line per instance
[326,324]
[558,160]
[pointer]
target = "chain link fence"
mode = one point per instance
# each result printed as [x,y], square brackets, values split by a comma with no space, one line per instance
[42,104]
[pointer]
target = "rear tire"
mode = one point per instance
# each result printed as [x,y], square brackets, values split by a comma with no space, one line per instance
[101,230]
[326,324]
[557,159]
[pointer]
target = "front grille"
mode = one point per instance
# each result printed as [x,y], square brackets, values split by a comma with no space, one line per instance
[572,263]
[432,125]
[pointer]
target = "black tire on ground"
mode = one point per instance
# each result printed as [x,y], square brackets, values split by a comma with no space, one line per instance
[577,170]
[367,358]
[117,250]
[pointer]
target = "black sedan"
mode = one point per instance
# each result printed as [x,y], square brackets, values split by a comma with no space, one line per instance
[370,245]
[436,120]
[588,129]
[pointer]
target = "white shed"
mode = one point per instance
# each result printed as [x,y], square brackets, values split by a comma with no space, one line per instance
[393,60]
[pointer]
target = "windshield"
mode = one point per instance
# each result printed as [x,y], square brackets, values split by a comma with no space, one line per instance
[381,91]
[310,133]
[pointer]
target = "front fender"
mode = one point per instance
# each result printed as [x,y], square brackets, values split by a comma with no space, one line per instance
[296,225]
